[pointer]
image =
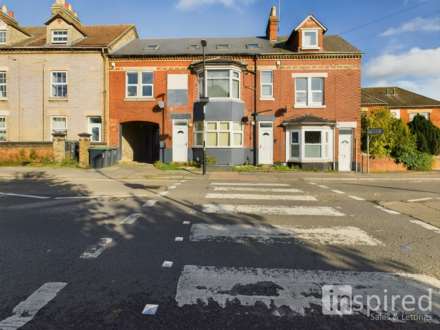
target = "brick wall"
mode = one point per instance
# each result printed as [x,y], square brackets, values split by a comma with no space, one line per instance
[11,152]
[378,165]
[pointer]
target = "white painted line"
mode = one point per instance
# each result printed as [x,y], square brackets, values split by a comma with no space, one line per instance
[167,264]
[347,236]
[172,187]
[266,190]
[387,210]
[313,183]
[132,218]
[262,197]
[150,309]
[95,251]
[25,311]
[150,203]
[356,198]
[186,223]
[250,184]
[426,226]
[103,196]
[178,184]
[178,239]
[299,290]
[420,200]
[24,196]
[323,187]
[338,192]
[272,210]
[164,193]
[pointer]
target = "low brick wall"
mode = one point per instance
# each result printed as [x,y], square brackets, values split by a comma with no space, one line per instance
[436,163]
[378,165]
[19,151]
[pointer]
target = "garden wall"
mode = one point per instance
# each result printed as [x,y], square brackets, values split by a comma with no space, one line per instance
[436,163]
[23,151]
[381,165]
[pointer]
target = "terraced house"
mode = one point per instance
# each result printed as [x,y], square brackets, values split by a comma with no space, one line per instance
[292,99]
[54,77]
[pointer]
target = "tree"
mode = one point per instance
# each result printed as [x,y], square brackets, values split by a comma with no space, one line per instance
[427,135]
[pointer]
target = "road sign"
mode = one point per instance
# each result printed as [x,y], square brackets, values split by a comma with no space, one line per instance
[375,131]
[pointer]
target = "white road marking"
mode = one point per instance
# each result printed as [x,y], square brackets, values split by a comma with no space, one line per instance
[103,196]
[186,223]
[299,290]
[25,311]
[150,309]
[250,184]
[95,251]
[172,187]
[356,198]
[338,192]
[164,193]
[387,210]
[262,197]
[313,183]
[167,264]
[24,196]
[132,218]
[426,226]
[272,210]
[347,236]
[420,200]
[275,190]
[178,239]
[150,203]
[323,187]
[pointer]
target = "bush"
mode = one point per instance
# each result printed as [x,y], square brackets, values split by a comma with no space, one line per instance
[414,159]
[427,135]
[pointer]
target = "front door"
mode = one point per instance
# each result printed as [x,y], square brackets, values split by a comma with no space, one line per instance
[265,139]
[180,141]
[345,150]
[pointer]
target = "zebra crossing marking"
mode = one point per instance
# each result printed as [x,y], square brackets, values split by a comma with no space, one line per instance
[95,251]
[346,236]
[243,184]
[274,190]
[262,197]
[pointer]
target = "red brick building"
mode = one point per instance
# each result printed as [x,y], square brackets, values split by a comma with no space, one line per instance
[271,99]
[402,103]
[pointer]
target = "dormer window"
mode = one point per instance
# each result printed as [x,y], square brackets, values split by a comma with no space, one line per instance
[59,36]
[310,39]
[3,38]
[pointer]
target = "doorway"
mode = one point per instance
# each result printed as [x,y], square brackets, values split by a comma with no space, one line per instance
[140,142]
[345,150]
[265,141]
[180,141]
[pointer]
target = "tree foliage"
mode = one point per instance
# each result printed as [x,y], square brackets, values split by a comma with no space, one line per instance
[427,135]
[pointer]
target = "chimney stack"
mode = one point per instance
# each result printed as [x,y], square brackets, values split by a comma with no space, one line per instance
[64,7]
[272,25]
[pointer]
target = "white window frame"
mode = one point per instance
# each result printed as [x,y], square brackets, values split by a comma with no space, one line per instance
[140,85]
[60,40]
[232,131]
[298,131]
[5,85]
[426,114]
[52,130]
[326,144]
[263,84]
[4,128]
[3,41]
[52,84]
[395,113]
[309,77]
[231,79]
[91,125]
[303,43]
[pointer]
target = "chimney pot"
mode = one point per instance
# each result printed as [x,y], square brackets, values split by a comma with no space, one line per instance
[70,7]
[4,9]
[60,2]
[272,25]
[273,12]
[11,14]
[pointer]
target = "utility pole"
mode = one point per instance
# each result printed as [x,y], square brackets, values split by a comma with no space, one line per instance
[204,43]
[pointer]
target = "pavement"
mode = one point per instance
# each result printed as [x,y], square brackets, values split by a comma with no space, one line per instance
[131,247]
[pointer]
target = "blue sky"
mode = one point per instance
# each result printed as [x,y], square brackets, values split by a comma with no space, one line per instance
[400,38]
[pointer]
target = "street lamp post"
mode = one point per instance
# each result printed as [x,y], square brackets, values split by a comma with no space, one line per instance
[204,43]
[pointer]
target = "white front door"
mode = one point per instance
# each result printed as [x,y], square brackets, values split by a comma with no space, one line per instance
[180,141]
[265,140]
[345,150]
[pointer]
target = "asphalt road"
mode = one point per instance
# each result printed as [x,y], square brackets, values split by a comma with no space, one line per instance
[248,253]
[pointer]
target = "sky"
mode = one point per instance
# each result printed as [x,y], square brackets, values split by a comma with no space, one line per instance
[400,39]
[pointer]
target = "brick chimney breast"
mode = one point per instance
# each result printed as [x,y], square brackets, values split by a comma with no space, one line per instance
[272,25]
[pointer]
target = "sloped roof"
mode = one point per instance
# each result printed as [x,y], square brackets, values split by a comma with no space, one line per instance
[396,97]
[236,46]
[308,120]
[95,36]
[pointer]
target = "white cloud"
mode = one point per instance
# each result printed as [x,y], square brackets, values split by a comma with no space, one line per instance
[417,70]
[417,24]
[192,4]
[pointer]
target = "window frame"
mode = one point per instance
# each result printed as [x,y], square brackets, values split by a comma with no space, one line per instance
[426,114]
[4,119]
[263,84]
[296,131]
[90,127]
[309,92]
[52,84]
[62,41]
[203,90]
[52,118]
[140,85]
[218,131]
[309,30]
[5,85]
[5,33]
[327,144]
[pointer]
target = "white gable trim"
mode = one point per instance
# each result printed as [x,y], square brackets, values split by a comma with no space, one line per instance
[313,18]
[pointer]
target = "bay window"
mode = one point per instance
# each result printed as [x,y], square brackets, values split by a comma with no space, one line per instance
[218,134]
[139,84]
[295,145]
[221,83]
[310,144]
[313,144]
[309,92]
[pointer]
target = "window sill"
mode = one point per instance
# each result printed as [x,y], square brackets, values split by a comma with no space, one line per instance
[302,106]
[310,48]
[3,99]
[267,99]
[139,99]
[58,99]
[207,147]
